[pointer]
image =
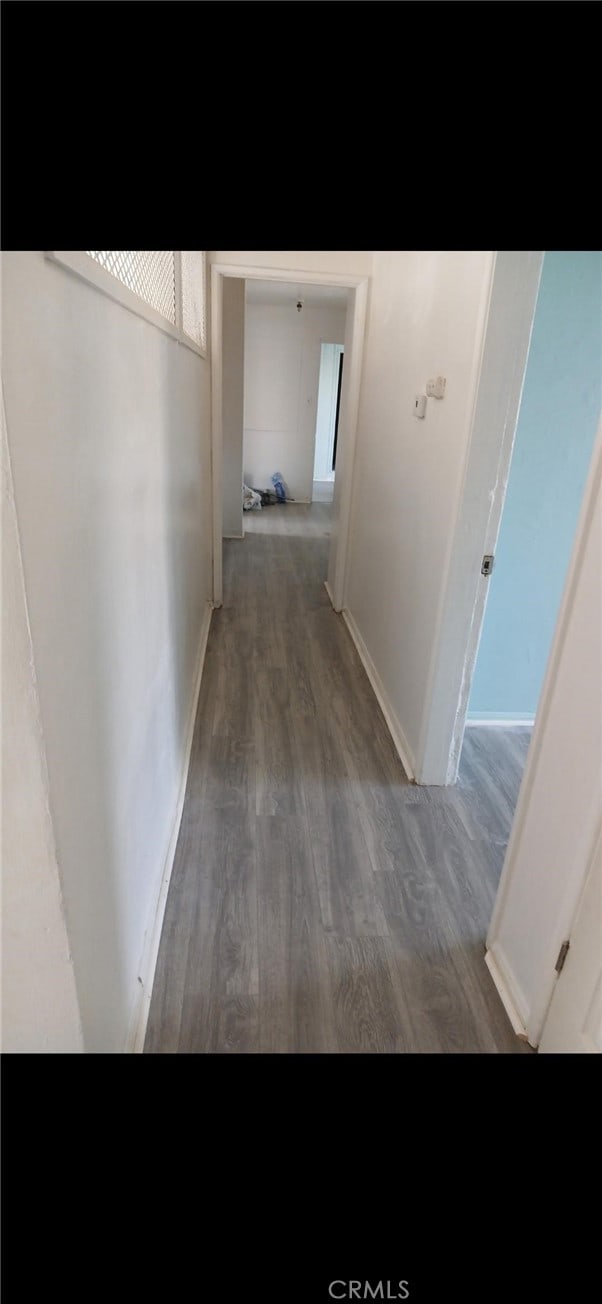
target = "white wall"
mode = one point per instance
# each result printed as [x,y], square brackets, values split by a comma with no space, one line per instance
[108,423]
[341,262]
[282,369]
[233,320]
[559,812]
[39,1002]
[426,317]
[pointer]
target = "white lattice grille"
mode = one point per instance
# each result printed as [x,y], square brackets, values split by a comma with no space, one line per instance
[193,295]
[149,273]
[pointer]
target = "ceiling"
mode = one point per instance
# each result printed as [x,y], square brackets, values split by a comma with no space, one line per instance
[283,293]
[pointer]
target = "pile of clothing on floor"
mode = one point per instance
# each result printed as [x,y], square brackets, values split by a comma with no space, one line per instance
[251,499]
[255,499]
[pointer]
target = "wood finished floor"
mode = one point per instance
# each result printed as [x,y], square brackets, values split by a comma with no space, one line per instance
[319,902]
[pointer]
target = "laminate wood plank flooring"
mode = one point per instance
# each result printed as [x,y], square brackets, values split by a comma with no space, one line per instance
[319,902]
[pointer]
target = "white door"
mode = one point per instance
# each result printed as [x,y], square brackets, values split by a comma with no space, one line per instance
[574,1022]
[329,390]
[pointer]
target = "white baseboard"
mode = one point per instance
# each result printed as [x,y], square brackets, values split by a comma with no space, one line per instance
[135,1041]
[323,491]
[498,721]
[233,536]
[503,990]
[402,748]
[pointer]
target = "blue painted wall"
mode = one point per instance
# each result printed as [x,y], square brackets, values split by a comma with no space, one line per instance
[559,415]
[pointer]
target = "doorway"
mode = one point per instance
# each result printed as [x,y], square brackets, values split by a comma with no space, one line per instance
[290,386]
[550,459]
[502,366]
[536,651]
[356,288]
[551,455]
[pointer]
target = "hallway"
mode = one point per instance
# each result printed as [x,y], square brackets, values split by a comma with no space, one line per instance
[319,902]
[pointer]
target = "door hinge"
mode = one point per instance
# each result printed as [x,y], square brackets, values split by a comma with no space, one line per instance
[562,954]
[487,564]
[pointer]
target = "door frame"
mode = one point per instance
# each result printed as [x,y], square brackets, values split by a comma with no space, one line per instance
[573,972]
[354,344]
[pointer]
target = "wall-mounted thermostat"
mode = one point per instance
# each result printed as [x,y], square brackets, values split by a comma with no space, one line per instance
[420,405]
